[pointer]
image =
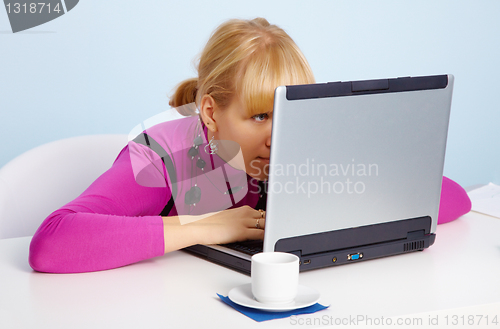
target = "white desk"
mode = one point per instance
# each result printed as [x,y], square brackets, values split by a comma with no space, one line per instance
[179,290]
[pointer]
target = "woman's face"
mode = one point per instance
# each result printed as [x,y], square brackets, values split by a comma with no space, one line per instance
[251,133]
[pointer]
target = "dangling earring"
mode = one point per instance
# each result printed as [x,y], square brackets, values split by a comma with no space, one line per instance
[213,146]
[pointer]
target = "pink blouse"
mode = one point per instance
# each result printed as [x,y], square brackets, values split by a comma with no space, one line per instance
[116,222]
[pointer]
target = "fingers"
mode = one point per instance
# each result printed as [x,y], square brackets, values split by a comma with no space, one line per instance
[259,219]
[255,234]
[260,223]
[249,226]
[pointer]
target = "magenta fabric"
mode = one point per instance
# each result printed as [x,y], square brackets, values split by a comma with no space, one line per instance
[116,221]
[113,223]
[454,201]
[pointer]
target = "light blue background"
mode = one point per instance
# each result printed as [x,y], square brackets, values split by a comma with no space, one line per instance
[107,65]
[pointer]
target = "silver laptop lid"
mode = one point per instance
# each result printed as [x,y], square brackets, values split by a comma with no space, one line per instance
[351,154]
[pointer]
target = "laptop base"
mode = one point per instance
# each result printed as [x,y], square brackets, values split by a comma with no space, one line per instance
[364,243]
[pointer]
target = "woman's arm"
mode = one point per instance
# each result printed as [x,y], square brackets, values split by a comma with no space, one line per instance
[113,223]
[454,201]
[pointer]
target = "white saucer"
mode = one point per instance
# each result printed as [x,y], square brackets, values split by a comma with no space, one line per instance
[243,296]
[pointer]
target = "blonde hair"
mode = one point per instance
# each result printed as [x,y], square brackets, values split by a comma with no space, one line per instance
[248,58]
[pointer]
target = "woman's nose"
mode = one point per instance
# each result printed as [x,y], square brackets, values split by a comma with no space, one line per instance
[268,140]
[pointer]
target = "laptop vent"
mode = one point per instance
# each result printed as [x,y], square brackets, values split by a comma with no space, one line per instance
[416,245]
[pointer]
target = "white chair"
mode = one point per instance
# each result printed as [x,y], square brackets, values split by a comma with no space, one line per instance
[45,178]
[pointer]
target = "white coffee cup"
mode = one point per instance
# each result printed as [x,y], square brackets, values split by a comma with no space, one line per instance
[275,277]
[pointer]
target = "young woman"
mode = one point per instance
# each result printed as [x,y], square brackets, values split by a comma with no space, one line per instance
[198,179]
[188,181]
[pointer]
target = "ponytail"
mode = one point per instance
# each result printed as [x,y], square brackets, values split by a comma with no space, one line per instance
[185,93]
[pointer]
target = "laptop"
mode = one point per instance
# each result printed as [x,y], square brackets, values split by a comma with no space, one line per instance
[355,172]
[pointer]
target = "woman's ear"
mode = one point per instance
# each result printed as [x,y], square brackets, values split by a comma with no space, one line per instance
[207,110]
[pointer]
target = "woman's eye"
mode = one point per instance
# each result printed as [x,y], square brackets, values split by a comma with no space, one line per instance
[260,117]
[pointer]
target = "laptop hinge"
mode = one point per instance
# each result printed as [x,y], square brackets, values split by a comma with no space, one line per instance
[355,237]
[411,236]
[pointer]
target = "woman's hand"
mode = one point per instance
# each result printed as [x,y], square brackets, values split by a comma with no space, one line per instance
[238,224]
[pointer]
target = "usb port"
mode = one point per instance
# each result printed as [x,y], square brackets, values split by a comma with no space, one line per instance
[307,261]
[355,256]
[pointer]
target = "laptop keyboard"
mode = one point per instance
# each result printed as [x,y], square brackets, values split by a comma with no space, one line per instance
[250,247]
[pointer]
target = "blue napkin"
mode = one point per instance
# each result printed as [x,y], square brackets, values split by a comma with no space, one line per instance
[260,315]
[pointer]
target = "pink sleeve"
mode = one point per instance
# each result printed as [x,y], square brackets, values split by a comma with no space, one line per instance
[454,201]
[115,222]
